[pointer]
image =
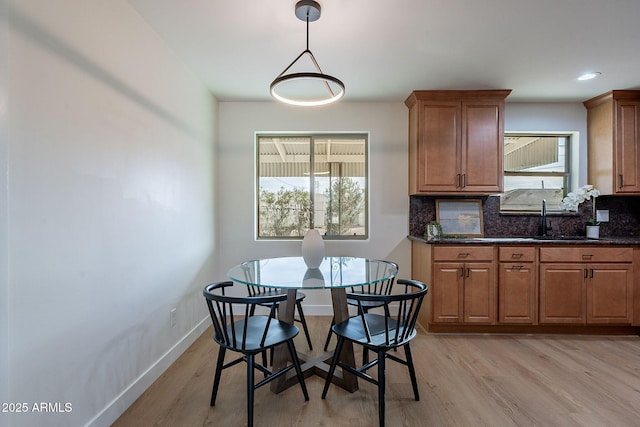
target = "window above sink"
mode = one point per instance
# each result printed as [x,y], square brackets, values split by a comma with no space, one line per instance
[536,167]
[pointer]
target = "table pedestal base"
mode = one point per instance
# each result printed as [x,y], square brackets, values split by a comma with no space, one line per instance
[318,365]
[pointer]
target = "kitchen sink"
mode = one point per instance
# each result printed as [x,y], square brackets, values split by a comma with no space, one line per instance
[560,237]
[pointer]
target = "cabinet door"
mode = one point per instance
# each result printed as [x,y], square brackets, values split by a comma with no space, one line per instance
[517,293]
[562,293]
[610,294]
[446,292]
[479,293]
[439,147]
[627,147]
[482,147]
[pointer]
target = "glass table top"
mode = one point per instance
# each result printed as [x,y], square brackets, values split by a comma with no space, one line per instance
[292,272]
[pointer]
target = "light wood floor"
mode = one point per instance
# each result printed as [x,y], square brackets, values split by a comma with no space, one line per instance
[464,380]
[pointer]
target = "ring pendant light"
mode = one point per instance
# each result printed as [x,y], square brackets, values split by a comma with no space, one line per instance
[309,11]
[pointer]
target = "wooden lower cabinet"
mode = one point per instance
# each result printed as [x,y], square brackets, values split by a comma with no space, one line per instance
[562,294]
[610,294]
[592,293]
[517,285]
[527,287]
[421,270]
[463,291]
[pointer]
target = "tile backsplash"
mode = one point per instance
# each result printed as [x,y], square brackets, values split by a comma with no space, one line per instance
[624,217]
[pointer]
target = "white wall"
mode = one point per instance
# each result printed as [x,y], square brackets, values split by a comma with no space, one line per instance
[387,124]
[553,117]
[110,207]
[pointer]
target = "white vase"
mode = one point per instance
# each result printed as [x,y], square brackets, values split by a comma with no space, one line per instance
[593,231]
[313,248]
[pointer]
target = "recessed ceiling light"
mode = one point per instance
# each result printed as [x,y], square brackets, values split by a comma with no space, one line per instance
[589,76]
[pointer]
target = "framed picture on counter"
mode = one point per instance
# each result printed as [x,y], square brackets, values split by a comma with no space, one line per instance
[461,217]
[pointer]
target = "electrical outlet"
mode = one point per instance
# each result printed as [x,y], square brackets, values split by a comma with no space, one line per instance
[602,215]
[172,316]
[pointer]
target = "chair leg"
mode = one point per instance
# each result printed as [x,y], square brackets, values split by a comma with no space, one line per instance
[264,360]
[332,368]
[412,371]
[250,388]
[216,378]
[326,343]
[304,324]
[296,364]
[381,386]
[365,350]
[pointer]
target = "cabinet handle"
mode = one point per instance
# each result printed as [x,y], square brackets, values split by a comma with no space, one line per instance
[463,254]
[586,273]
[516,256]
[591,273]
[517,267]
[464,180]
[459,181]
[461,271]
[468,272]
[587,256]
[621,181]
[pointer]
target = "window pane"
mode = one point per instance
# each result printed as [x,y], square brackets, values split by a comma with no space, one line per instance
[283,183]
[526,192]
[340,176]
[535,153]
[535,169]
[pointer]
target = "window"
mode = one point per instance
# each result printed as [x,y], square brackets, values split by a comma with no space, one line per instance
[314,179]
[536,168]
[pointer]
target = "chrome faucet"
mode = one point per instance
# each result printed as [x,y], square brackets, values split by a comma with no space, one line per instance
[544,218]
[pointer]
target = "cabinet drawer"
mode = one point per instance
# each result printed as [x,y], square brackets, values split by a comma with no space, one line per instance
[462,253]
[517,253]
[586,254]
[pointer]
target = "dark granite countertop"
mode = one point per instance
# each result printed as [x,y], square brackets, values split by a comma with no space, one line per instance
[564,240]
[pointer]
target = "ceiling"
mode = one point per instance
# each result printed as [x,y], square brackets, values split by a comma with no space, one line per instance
[382,50]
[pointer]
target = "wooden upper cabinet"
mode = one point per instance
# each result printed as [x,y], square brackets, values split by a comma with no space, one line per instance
[613,132]
[456,141]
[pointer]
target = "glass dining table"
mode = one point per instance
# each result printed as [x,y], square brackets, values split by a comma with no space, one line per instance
[336,274]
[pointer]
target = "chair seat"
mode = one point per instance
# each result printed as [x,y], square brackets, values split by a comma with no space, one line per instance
[278,333]
[353,330]
[256,291]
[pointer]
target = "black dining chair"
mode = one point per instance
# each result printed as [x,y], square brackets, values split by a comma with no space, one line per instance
[235,329]
[379,288]
[380,333]
[256,291]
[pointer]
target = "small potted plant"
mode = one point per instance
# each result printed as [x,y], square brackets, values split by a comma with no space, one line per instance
[433,231]
[573,200]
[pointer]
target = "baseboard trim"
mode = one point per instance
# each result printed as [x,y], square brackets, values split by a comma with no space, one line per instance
[119,405]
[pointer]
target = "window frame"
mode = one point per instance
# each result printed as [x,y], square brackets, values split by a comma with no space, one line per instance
[312,136]
[567,175]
